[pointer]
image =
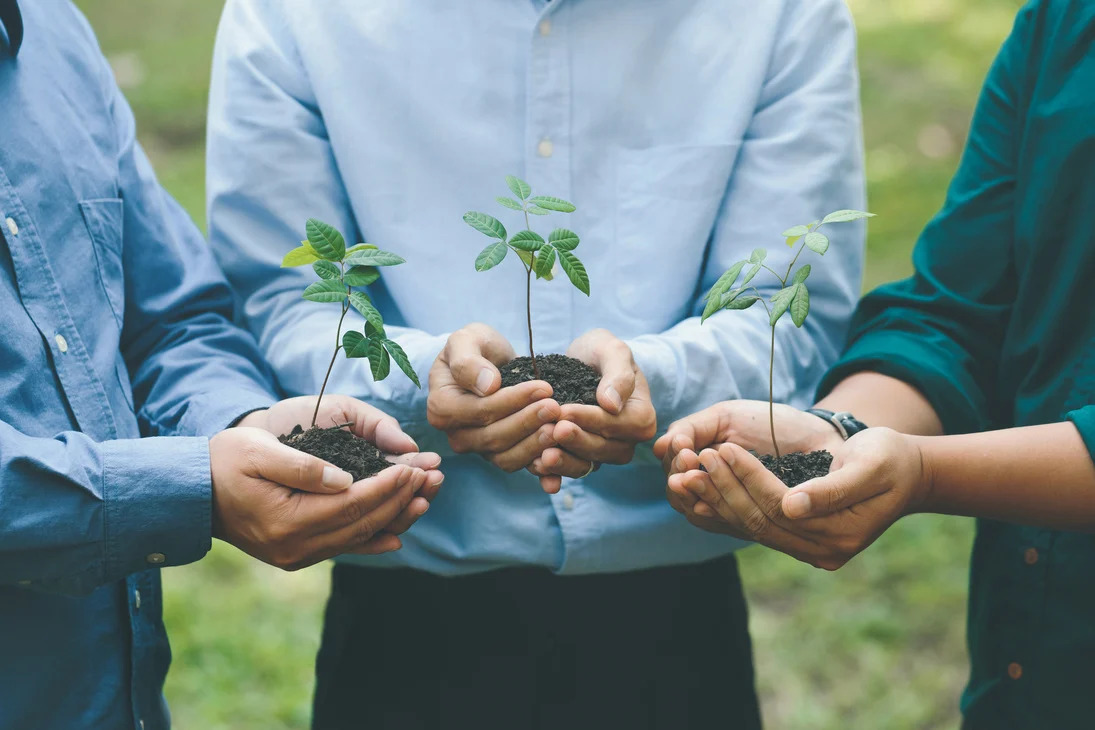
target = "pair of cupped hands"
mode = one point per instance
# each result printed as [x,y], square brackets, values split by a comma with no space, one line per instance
[877,476]
[292,510]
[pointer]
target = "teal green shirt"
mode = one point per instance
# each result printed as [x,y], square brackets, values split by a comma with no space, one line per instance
[997,329]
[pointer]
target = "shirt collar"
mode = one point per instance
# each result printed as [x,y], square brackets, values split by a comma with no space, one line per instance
[11,22]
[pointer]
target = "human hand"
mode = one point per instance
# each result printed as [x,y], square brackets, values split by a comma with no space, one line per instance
[509,427]
[877,476]
[365,422]
[588,436]
[291,509]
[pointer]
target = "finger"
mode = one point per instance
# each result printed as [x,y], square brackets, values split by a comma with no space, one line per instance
[846,487]
[524,451]
[590,446]
[702,428]
[617,367]
[403,521]
[473,355]
[370,522]
[765,488]
[319,514]
[434,480]
[386,433]
[550,483]
[382,543]
[452,407]
[673,443]
[506,432]
[560,463]
[702,509]
[636,422]
[425,461]
[284,465]
[680,498]
[686,460]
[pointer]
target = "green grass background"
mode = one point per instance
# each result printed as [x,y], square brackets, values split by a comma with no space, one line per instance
[879,644]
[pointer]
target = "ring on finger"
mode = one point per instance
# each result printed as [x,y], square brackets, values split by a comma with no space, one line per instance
[592,468]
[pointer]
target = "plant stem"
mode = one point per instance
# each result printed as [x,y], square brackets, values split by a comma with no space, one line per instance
[528,301]
[338,346]
[771,399]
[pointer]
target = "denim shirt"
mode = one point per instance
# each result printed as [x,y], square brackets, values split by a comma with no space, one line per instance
[687,132]
[116,325]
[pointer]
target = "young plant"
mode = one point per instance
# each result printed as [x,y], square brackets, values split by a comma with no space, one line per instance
[537,255]
[793,296]
[340,270]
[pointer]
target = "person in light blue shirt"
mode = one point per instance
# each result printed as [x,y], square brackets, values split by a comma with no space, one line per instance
[687,132]
[117,326]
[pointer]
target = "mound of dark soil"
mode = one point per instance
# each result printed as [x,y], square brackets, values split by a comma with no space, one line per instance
[572,380]
[794,469]
[340,447]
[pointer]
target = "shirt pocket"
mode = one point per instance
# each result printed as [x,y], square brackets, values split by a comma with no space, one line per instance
[668,199]
[103,219]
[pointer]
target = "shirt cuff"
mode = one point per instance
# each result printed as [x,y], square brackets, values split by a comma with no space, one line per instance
[948,389]
[158,499]
[1084,420]
[211,412]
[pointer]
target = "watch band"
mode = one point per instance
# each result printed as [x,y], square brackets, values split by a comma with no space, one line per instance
[845,423]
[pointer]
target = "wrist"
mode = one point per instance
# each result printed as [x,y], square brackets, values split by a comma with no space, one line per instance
[253,419]
[923,496]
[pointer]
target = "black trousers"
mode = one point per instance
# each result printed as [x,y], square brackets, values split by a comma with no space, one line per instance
[523,648]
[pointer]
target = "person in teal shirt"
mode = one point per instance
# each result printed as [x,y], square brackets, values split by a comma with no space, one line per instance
[974,384]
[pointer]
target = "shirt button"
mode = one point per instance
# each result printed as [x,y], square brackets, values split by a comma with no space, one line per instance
[1031,556]
[545,148]
[1015,670]
[24,582]
[568,501]
[12,228]
[137,600]
[62,343]
[545,26]
[141,723]
[156,558]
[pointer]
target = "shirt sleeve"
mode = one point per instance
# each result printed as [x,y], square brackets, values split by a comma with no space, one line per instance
[800,159]
[193,371]
[261,100]
[1084,421]
[942,329]
[76,514]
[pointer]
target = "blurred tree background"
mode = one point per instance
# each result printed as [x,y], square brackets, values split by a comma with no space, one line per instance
[879,644]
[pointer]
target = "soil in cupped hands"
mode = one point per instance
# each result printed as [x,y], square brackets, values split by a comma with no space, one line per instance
[354,455]
[572,381]
[794,469]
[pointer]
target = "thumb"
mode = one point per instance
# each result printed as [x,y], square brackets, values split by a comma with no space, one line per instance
[295,469]
[849,485]
[471,356]
[617,368]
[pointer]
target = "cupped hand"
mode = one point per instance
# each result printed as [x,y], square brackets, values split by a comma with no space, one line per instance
[587,436]
[291,509]
[877,476]
[510,427]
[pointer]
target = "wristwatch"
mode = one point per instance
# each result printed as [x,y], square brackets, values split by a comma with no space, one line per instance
[845,423]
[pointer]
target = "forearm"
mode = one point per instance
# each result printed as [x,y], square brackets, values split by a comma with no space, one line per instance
[1036,475]
[879,400]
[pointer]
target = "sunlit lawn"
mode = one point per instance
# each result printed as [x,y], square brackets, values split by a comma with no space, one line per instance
[879,644]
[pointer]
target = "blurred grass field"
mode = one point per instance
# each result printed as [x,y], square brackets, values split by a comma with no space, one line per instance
[879,644]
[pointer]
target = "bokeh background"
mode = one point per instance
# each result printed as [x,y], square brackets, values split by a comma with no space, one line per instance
[880,644]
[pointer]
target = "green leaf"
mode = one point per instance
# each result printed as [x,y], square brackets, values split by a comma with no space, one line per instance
[791,240]
[575,271]
[527,241]
[781,300]
[519,187]
[537,210]
[557,204]
[800,305]
[326,241]
[360,247]
[371,331]
[510,203]
[299,256]
[843,216]
[529,259]
[326,270]
[364,305]
[545,259]
[328,290]
[753,270]
[402,360]
[795,231]
[725,281]
[758,256]
[801,274]
[361,275]
[563,239]
[741,302]
[374,257]
[491,256]
[817,242]
[379,362]
[354,344]
[485,224]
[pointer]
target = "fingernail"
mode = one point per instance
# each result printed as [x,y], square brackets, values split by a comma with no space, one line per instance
[796,504]
[545,414]
[547,438]
[484,381]
[424,510]
[335,478]
[614,398]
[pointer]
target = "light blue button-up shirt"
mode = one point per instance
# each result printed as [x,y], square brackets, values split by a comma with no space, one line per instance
[687,132]
[116,324]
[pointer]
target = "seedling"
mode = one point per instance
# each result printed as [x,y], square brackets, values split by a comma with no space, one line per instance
[340,270]
[793,296]
[537,255]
